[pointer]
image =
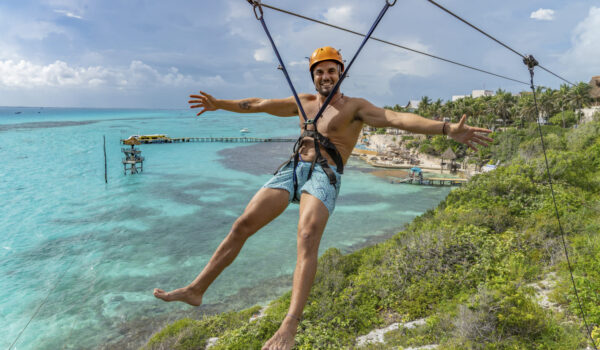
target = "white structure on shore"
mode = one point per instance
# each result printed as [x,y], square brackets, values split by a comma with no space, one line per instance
[481,93]
[458,97]
[474,94]
[412,105]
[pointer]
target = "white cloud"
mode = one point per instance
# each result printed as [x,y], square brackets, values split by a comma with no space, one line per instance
[376,69]
[339,15]
[582,57]
[298,63]
[25,74]
[543,15]
[263,54]
[76,7]
[68,14]
[237,10]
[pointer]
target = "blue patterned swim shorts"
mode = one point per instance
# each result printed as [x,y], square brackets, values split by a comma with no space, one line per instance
[318,185]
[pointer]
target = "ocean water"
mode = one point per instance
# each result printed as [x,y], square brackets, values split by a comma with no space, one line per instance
[79,258]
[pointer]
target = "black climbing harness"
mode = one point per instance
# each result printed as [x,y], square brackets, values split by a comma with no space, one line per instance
[320,141]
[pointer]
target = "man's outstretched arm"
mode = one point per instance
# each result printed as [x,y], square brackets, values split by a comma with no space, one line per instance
[284,107]
[461,132]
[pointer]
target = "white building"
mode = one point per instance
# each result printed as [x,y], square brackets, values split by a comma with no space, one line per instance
[480,93]
[474,94]
[458,97]
[413,104]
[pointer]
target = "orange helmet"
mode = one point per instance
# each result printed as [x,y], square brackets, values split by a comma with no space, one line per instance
[326,53]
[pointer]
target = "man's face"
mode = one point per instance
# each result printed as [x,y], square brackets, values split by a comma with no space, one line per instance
[326,74]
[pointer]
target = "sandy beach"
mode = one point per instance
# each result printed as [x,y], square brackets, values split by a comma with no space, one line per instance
[385,151]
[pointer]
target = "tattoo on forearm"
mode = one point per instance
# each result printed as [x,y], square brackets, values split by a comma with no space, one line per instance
[244,105]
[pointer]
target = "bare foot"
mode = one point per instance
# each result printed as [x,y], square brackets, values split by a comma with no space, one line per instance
[185,294]
[283,339]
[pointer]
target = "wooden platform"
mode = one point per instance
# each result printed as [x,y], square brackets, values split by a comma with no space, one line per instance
[217,139]
[431,181]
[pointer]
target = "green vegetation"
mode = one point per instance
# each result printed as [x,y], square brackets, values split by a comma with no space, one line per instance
[188,334]
[501,111]
[470,267]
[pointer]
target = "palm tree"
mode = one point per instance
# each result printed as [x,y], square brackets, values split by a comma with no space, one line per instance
[480,107]
[423,108]
[501,105]
[448,110]
[528,112]
[580,97]
[546,101]
[561,100]
[464,106]
[435,109]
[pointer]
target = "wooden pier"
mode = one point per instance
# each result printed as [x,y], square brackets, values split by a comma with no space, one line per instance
[430,181]
[216,139]
[132,159]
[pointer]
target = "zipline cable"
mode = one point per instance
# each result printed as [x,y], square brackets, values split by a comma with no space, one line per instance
[528,60]
[531,62]
[393,44]
[344,74]
[494,39]
[256,5]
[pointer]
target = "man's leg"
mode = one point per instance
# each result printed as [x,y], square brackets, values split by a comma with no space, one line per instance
[313,218]
[265,206]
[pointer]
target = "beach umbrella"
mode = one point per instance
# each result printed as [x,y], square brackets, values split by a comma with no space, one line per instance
[448,154]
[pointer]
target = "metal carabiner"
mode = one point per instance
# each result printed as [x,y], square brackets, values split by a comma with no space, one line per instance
[256,4]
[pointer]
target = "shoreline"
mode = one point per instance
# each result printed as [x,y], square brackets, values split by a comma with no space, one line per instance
[138,332]
[281,283]
[386,152]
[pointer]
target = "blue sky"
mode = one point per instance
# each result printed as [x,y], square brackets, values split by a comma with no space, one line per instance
[136,53]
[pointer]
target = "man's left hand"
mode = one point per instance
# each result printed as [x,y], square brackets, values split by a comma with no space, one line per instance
[469,135]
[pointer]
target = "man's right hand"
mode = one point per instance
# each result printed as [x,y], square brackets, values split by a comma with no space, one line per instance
[204,101]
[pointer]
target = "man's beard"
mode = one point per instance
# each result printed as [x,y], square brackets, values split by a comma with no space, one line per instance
[324,91]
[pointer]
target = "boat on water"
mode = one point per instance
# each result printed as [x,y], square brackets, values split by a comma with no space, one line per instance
[244,131]
[155,138]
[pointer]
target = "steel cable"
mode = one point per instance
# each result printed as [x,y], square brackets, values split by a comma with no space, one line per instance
[531,63]
[393,44]
[494,39]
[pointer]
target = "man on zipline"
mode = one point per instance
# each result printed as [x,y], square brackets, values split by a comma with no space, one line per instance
[312,176]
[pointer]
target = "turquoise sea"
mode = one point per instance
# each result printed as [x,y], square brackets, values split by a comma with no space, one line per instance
[79,258]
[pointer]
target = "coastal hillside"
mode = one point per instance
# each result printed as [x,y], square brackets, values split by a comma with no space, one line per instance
[486,269]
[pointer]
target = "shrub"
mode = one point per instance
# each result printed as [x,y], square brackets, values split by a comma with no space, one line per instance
[564,119]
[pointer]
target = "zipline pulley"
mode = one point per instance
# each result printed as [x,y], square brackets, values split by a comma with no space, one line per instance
[530,61]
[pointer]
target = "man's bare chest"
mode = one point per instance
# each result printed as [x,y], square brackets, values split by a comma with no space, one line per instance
[335,120]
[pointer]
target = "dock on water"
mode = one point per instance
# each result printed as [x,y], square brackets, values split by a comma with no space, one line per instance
[431,181]
[165,139]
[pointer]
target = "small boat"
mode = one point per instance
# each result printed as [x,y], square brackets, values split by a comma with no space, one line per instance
[244,131]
